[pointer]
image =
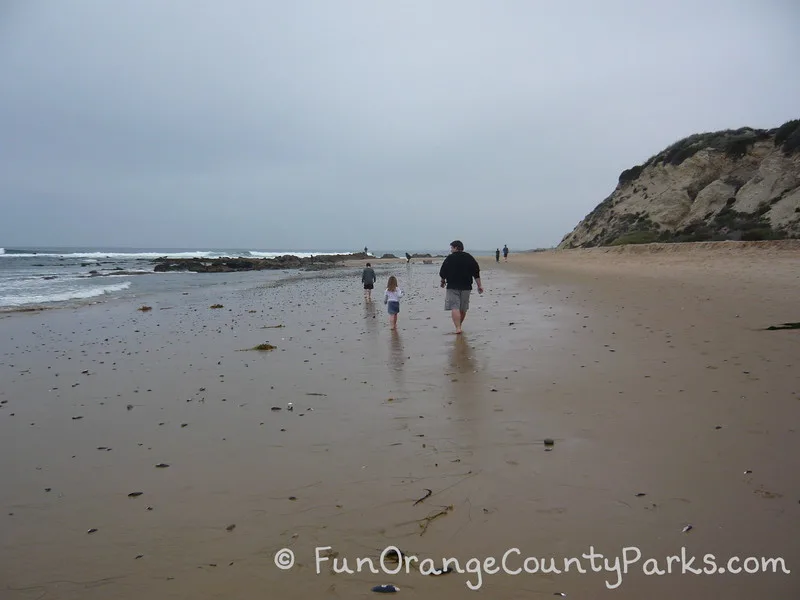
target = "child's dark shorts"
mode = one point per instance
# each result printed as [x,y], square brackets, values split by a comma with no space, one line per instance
[394,307]
[368,286]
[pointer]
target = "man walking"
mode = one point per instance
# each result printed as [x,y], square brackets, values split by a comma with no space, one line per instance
[457,272]
[505,253]
[368,278]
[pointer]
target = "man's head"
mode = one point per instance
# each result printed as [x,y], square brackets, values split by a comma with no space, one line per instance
[456,246]
[369,265]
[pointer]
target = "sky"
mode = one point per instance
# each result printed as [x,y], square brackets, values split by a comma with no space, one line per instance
[338,125]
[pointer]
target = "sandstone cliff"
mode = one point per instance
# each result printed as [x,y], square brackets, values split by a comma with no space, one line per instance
[728,185]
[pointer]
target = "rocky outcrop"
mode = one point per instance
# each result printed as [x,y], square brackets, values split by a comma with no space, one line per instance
[727,185]
[227,265]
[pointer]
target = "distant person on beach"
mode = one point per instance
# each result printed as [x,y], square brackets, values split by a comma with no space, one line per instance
[408,258]
[365,250]
[497,255]
[391,298]
[505,253]
[457,272]
[368,278]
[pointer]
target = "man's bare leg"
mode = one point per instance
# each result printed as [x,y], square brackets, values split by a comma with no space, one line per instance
[463,316]
[456,314]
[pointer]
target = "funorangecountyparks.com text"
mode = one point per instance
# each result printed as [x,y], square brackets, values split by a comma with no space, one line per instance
[515,562]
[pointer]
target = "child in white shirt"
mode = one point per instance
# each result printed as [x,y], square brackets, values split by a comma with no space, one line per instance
[391,297]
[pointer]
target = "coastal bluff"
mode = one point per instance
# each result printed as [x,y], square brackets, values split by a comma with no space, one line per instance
[741,184]
[231,264]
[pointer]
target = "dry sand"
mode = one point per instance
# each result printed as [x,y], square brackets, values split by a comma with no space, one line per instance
[650,370]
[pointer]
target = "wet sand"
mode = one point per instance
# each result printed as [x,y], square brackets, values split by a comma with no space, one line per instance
[629,364]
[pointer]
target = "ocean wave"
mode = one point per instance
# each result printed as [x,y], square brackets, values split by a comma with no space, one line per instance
[64,296]
[107,255]
[152,255]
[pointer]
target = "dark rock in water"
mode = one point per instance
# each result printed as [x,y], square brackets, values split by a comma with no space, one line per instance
[162,466]
[386,589]
[548,442]
[388,256]
[92,530]
[135,494]
[227,264]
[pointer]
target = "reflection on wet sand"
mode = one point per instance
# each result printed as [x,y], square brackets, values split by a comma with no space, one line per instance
[370,317]
[462,356]
[465,393]
[397,359]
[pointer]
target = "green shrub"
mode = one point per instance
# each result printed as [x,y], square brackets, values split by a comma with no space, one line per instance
[636,237]
[629,175]
[792,143]
[755,235]
[735,143]
[679,155]
[738,146]
[763,209]
[700,235]
[785,131]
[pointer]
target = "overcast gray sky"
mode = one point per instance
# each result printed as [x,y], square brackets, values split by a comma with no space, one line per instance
[334,125]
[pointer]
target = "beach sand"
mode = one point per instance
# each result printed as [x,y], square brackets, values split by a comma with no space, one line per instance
[650,371]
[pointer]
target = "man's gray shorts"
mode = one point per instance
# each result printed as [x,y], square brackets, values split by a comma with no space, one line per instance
[457,300]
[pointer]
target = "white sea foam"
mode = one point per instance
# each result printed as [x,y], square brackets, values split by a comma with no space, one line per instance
[151,255]
[106,255]
[2,250]
[64,296]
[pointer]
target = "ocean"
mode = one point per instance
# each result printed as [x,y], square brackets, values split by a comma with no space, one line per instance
[42,277]
[39,277]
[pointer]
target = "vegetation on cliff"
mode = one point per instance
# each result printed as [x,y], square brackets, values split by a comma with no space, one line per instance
[733,142]
[741,184]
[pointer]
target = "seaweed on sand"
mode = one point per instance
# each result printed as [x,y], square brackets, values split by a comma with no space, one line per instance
[784,326]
